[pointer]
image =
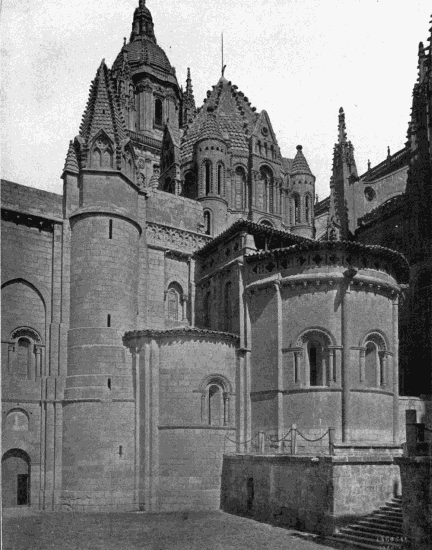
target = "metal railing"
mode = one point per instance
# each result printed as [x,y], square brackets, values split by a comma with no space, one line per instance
[262,443]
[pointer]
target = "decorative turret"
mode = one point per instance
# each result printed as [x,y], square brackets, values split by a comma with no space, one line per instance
[341,221]
[302,193]
[189,108]
[142,25]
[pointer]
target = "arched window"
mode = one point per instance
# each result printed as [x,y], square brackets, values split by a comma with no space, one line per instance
[240,188]
[296,202]
[158,112]
[374,361]
[207,177]
[319,370]
[215,405]
[207,223]
[371,364]
[189,188]
[308,208]
[174,307]
[215,400]
[316,363]
[207,311]
[228,310]
[24,359]
[267,182]
[220,179]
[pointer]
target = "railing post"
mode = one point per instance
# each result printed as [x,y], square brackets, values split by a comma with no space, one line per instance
[294,439]
[261,442]
[331,441]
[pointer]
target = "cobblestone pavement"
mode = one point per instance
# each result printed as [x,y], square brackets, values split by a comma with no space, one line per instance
[138,531]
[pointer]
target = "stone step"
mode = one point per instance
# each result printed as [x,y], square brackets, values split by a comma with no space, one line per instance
[375,529]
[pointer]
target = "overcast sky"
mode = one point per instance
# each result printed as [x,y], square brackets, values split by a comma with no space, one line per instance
[300,60]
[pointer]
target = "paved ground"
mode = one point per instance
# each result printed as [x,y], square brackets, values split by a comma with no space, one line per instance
[138,531]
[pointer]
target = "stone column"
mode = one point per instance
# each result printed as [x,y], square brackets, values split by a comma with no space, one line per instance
[346,352]
[395,320]
[280,377]
[11,354]
[362,352]
[192,290]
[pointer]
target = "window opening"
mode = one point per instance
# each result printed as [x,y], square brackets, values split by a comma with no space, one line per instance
[207,223]
[108,320]
[110,231]
[158,112]
[109,383]
[207,178]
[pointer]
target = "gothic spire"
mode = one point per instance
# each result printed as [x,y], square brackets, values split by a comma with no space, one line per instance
[189,108]
[341,223]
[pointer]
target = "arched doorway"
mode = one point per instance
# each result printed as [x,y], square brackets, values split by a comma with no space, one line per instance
[15,478]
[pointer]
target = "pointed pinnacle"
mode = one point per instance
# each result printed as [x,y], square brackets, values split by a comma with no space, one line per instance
[342,127]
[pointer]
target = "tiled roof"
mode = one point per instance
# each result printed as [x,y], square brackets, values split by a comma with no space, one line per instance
[234,116]
[255,229]
[300,165]
[71,163]
[210,128]
[103,110]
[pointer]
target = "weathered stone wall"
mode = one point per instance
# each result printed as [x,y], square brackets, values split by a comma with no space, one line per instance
[416,474]
[307,493]
[191,444]
[173,210]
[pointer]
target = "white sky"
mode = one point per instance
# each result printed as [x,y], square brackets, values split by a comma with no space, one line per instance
[300,60]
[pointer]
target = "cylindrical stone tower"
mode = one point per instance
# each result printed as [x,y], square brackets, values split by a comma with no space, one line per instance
[210,154]
[99,424]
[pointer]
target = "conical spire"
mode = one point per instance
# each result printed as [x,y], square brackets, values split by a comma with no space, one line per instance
[142,26]
[71,163]
[341,222]
[300,164]
[103,113]
[189,107]
[210,128]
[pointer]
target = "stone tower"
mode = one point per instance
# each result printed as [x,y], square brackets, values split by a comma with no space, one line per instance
[302,196]
[103,205]
[149,94]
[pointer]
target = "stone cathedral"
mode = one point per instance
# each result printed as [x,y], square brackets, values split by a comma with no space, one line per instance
[187,291]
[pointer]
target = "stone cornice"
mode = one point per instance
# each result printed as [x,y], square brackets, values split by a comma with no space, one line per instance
[186,332]
[29,220]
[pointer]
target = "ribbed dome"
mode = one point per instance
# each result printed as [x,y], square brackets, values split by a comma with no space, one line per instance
[142,52]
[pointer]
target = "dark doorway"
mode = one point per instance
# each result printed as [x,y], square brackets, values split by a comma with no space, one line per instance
[250,494]
[22,489]
[15,478]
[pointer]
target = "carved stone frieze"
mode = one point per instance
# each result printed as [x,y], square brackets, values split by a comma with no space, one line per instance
[175,239]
